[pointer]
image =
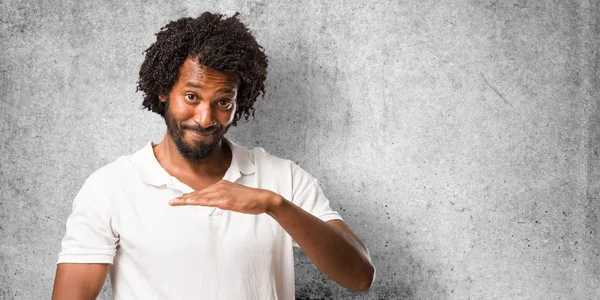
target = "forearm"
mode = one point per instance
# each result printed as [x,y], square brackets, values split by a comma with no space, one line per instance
[339,255]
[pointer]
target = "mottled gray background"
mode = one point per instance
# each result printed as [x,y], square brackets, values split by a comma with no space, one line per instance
[459,139]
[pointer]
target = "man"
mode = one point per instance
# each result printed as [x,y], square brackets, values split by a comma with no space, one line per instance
[197,216]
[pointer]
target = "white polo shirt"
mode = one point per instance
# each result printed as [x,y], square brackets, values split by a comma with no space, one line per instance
[121,216]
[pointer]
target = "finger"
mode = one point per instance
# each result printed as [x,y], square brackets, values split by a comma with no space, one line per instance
[206,199]
[194,194]
[187,201]
[209,189]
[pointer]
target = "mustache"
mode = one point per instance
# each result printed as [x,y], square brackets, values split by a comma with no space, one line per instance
[202,130]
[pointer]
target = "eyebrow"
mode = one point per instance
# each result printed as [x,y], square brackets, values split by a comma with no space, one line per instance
[194,85]
[199,86]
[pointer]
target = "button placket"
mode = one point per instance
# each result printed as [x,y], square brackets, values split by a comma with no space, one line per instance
[232,174]
[183,188]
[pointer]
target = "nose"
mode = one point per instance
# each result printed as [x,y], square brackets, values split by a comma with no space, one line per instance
[204,115]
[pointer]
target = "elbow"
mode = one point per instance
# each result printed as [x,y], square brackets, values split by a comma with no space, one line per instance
[366,280]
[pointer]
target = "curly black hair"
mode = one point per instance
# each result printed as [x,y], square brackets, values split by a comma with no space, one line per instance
[220,43]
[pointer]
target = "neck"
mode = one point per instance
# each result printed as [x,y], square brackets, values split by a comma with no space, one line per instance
[174,163]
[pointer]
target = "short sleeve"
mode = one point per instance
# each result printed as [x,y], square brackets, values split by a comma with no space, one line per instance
[307,194]
[89,237]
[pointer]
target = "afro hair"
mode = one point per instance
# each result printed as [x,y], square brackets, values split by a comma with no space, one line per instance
[220,43]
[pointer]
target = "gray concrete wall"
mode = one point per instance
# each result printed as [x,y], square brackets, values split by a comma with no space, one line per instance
[459,139]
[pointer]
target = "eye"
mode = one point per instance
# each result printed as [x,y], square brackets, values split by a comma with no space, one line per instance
[191,97]
[225,103]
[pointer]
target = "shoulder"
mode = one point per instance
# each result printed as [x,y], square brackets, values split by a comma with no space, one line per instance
[267,161]
[125,170]
[140,166]
[100,187]
[117,172]
[262,156]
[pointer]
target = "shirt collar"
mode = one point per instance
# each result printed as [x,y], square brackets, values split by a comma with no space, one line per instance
[241,158]
[144,161]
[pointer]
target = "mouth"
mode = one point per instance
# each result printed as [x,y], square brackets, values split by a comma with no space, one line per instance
[201,136]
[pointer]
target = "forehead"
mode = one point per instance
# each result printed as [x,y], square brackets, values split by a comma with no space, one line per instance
[192,71]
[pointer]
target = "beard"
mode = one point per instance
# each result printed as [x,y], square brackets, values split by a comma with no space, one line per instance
[198,151]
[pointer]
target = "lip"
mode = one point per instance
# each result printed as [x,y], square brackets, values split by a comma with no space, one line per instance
[200,136]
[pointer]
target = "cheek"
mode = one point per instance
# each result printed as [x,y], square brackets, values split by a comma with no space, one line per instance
[181,111]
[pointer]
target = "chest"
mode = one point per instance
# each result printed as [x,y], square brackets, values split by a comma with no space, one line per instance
[158,230]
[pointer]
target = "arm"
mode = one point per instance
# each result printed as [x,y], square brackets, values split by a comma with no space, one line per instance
[89,244]
[79,281]
[331,246]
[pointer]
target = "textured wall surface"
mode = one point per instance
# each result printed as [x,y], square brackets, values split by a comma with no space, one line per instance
[459,139]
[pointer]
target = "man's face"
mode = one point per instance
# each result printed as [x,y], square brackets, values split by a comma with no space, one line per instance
[199,109]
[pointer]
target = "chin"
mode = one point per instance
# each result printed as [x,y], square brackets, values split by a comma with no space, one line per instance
[197,151]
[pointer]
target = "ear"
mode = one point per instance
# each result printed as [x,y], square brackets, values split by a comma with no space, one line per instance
[162,98]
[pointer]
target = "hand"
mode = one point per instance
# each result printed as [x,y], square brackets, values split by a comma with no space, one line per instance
[227,195]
